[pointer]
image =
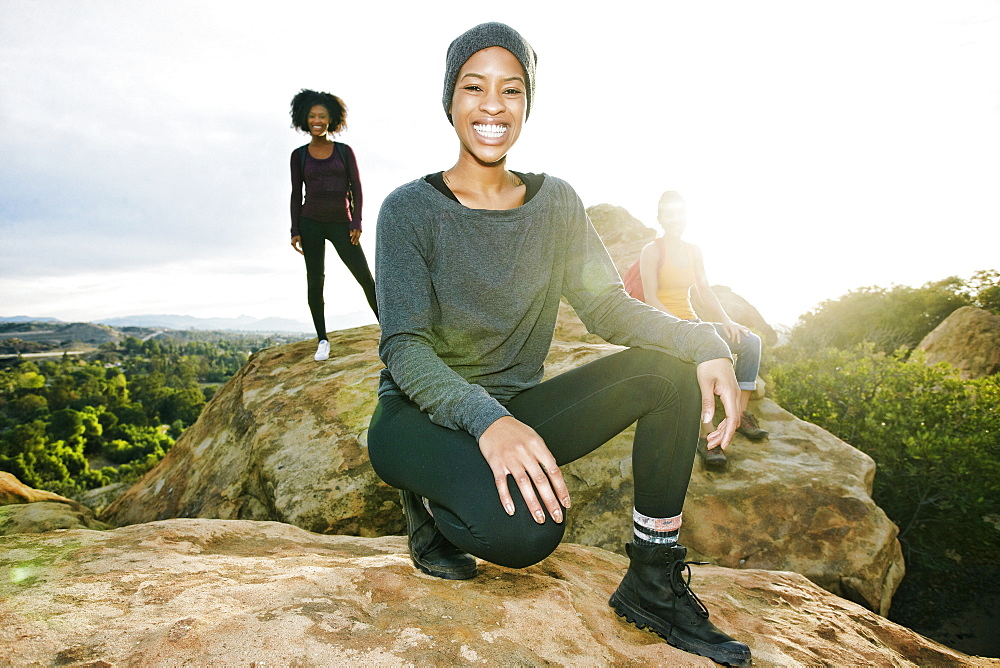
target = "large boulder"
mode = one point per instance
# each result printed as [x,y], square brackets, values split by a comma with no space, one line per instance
[43,516]
[24,509]
[14,491]
[622,233]
[211,592]
[284,440]
[968,339]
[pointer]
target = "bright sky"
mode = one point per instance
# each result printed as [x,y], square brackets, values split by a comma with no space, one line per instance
[820,146]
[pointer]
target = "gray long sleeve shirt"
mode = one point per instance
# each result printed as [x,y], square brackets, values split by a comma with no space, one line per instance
[468,299]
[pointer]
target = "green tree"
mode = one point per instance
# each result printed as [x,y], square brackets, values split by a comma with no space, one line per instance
[985,290]
[898,317]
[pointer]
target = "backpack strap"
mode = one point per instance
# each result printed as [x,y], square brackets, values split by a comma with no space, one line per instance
[342,150]
[302,160]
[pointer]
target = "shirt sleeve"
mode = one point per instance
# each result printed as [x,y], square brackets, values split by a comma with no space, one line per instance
[355,181]
[595,291]
[407,312]
[296,202]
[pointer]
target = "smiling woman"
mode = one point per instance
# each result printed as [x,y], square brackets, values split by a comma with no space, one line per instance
[326,202]
[470,267]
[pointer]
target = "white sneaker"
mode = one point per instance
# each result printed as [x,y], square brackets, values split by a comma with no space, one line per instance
[323,351]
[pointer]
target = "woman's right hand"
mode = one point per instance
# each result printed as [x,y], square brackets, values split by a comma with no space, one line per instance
[297,245]
[511,447]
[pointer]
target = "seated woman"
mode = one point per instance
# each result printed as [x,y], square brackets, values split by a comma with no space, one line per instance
[470,265]
[670,270]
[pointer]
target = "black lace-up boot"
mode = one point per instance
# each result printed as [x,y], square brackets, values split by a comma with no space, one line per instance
[655,595]
[429,549]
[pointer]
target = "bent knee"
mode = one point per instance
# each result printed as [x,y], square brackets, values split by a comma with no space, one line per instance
[523,547]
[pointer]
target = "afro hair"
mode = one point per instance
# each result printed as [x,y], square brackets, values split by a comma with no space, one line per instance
[306,99]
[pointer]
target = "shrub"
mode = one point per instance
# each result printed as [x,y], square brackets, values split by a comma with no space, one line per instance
[935,439]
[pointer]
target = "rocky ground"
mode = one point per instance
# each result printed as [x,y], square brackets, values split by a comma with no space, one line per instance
[200,592]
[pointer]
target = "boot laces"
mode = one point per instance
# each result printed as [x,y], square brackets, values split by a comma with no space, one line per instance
[682,585]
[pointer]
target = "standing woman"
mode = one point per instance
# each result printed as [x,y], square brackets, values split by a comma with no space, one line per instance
[329,206]
[471,263]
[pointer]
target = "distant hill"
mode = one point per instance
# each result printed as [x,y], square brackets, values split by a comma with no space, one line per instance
[64,334]
[27,318]
[243,323]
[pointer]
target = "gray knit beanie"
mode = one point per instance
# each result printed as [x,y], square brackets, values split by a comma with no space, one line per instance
[483,36]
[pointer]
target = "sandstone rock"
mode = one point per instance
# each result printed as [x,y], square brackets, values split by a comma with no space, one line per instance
[968,339]
[101,497]
[211,592]
[44,516]
[569,327]
[623,234]
[284,440]
[13,491]
[24,509]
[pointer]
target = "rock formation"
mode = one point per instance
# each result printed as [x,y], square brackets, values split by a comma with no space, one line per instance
[14,491]
[969,340]
[284,440]
[43,516]
[24,509]
[212,592]
[622,234]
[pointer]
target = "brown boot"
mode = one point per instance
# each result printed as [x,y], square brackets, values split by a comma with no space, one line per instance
[714,459]
[749,427]
[655,594]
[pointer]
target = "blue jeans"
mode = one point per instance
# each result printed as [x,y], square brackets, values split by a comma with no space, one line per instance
[747,353]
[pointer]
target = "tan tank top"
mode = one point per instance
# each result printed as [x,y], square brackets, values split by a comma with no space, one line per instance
[674,286]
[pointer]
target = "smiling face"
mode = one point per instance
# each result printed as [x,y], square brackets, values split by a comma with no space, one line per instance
[318,120]
[672,215]
[488,105]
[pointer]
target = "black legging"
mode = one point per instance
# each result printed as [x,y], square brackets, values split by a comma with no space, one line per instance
[314,236]
[574,413]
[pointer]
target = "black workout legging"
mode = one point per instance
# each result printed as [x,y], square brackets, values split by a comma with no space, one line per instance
[314,235]
[574,413]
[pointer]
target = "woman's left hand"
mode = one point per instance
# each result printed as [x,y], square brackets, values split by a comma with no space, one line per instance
[355,236]
[717,378]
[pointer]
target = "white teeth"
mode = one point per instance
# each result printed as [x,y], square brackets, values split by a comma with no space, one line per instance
[490,131]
